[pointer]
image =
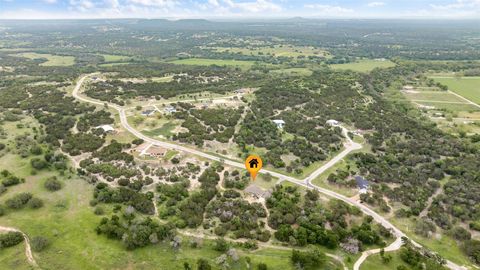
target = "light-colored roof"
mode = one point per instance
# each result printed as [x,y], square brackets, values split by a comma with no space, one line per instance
[278,121]
[332,122]
[106,128]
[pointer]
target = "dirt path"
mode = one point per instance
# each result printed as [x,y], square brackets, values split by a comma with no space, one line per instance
[430,200]
[28,250]
[349,146]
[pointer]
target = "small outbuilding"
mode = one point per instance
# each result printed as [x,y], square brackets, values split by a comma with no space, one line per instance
[170,109]
[106,128]
[333,123]
[280,123]
[148,112]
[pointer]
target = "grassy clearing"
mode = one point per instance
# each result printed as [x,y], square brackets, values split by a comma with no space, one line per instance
[162,79]
[321,180]
[449,106]
[14,258]
[293,71]
[434,96]
[115,58]
[364,65]
[114,64]
[209,62]
[444,245]
[52,60]
[468,87]
[170,154]
[375,262]
[165,130]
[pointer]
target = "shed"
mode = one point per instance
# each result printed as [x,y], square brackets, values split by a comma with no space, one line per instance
[280,123]
[333,123]
[148,112]
[106,128]
[170,109]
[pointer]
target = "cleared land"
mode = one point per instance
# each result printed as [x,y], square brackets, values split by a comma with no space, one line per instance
[52,60]
[468,87]
[115,58]
[209,62]
[293,71]
[278,51]
[375,262]
[364,65]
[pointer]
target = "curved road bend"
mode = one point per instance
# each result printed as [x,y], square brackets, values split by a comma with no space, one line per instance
[306,182]
[28,250]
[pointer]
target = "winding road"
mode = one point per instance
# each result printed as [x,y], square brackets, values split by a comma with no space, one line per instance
[306,182]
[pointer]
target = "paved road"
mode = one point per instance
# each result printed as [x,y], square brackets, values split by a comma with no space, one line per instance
[349,146]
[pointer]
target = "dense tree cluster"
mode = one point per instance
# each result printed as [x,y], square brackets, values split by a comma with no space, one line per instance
[140,201]
[10,239]
[135,233]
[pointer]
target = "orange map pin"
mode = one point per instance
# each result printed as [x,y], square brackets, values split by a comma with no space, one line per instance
[253,164]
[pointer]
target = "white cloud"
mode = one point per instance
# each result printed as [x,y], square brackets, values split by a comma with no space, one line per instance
[214,3]
[458,4]
[50,1]
[328,10]
[154,3]
[255,6]
[376,4]
[81,5]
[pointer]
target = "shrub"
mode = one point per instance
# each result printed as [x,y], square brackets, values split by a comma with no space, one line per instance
[18,201]
[10,239]
[221,245]
[35,203]
[39,243]
[53,184]
[38,163]
[123,182]
[99,211]
[262,266]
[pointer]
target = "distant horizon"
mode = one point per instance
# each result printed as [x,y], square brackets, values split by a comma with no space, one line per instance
[238,9]
[238,19]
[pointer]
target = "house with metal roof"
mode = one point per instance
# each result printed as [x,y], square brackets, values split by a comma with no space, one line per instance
[362,184]
[148,112]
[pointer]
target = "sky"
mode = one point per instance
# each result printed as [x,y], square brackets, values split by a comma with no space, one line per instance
[238,9]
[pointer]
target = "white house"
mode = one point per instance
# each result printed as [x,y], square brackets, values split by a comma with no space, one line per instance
[106,128]
[280,123]
[333,123]
[170,109]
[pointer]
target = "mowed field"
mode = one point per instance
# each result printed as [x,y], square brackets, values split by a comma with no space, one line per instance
[440,100]
[209,62]
[364,65]
[52,60]
[468,87]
